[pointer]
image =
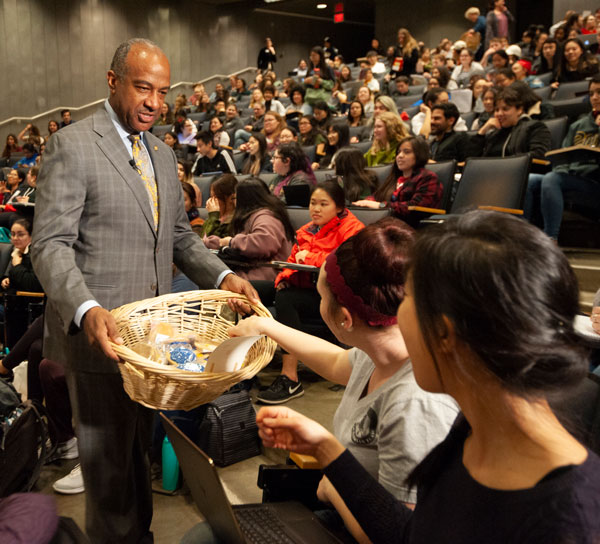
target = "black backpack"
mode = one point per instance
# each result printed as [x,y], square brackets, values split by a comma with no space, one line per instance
[24,444]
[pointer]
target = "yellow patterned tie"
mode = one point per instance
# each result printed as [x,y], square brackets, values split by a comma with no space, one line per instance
[142,164]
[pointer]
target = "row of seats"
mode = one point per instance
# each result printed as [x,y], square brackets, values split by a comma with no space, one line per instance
[485,182]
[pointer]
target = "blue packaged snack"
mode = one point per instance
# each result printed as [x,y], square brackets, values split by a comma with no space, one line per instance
[185,357]
[180,353]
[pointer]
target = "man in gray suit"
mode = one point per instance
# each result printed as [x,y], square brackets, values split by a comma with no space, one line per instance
[109,222]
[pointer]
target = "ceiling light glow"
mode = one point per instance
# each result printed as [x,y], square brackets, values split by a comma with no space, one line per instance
[321,6]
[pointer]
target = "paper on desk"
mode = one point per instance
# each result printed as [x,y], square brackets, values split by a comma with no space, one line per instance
[583,326]
[231,354]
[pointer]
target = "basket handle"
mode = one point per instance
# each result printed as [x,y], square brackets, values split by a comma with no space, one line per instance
[133,369]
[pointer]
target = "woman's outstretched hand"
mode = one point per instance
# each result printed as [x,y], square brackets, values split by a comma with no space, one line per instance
[280,427]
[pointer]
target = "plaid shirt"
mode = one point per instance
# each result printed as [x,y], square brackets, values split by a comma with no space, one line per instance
[421,189]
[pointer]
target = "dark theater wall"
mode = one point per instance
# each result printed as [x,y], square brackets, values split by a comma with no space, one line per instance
[55,53]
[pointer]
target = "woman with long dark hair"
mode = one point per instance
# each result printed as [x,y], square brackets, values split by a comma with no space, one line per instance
[338,136]
[442,74]
[257,157]
[308,131]
[240,89]
[184,174]
[12,146]
[319,79]
[488,99]
[356,114]
[350,167]
[322,114]
[576,64]
[487,319]
[166,115]
[220,207]
[191,207]
[220,135]
[409,182]
[18,276]
[549,60]
[53,127]
[260,231]
[170,138]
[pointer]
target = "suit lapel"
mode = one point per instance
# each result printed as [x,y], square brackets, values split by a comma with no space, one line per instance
[113,148]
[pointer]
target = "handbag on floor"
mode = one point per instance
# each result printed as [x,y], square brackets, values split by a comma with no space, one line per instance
[24,444]
[229,434]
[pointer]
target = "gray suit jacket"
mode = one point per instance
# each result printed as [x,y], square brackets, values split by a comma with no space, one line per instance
[94,236]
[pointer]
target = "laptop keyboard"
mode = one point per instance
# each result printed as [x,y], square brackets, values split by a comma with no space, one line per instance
[262,526]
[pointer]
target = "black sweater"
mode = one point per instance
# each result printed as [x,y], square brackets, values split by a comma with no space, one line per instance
[22,277]
[454,508]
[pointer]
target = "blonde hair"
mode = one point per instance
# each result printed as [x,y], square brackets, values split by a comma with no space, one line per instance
[472,11]
[252,101]
[396,130]
[409,42]
[280,124]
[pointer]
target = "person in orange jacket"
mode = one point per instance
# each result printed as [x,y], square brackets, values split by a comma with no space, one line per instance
[296,297]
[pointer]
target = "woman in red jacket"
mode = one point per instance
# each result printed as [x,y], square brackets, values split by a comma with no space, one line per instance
[296,298]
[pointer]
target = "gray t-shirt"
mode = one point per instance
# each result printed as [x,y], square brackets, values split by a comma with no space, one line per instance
[392,429]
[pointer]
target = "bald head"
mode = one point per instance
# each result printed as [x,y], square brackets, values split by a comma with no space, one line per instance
[139,79]
[119,60]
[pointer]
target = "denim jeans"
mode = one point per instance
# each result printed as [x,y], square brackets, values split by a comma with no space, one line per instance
[241,137]
[548,190]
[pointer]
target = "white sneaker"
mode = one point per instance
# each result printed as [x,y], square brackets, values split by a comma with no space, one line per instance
[65,450]
[71,484]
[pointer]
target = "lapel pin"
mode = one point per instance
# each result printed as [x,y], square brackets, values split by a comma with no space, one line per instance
[155,148]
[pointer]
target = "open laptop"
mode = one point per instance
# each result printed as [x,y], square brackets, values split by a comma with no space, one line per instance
[279,522]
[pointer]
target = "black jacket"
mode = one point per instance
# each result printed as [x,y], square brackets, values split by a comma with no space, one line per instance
[454,145]
[527,136]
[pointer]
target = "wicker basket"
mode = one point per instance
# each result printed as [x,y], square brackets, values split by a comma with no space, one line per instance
[200,312]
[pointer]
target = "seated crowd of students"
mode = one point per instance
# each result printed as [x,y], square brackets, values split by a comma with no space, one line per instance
[411,428]
[333,105]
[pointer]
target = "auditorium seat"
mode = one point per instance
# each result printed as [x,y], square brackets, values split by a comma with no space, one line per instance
[490,183]
[558,129]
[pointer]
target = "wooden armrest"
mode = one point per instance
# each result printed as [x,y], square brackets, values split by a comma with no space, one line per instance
[500,209]
[427,210]
[541,161]
[30,294]
[304,461]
